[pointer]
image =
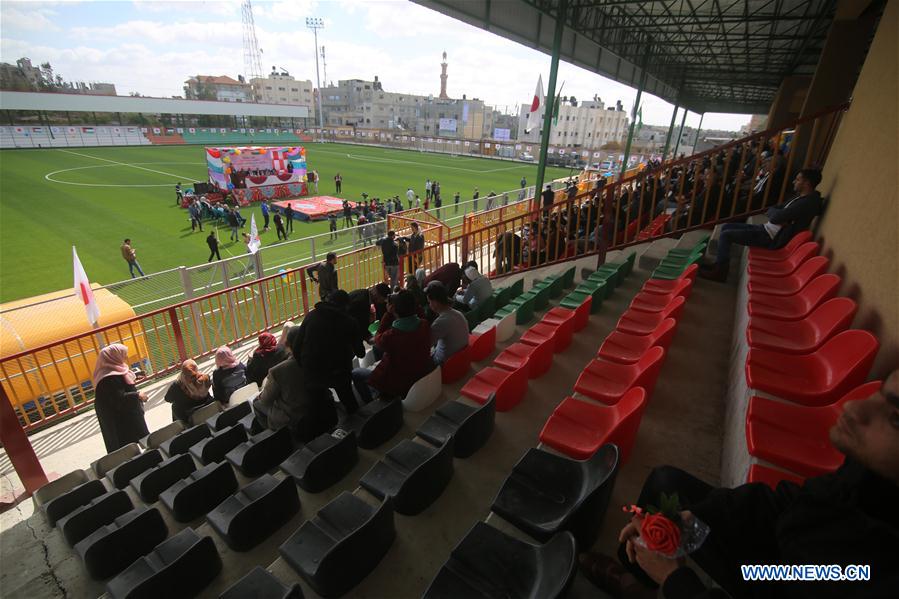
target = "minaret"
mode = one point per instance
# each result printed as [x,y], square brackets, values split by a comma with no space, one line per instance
[443,95]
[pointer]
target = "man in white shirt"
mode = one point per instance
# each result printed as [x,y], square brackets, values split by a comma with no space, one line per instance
[410,197]
[449,331]
[479,289]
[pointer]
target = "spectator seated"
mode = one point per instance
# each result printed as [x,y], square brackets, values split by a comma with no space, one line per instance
[790,284]
[413,474]
[68,502]
[260,584]
[341,545]
[201,491]
[182,442]
[121,475]
[248,517]
[102,510]
[546,494]
[470,427]
[261,452]
[816,379]
[376,422]
[797,306]
[215,448]
[578,429]
[626,348]
[323,461]
[488,563]
[153,482]
[180,566]
[229,417]
[802,336]
[115,546]
[607,382]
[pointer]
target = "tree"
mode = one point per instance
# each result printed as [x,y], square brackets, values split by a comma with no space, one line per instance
[612,145]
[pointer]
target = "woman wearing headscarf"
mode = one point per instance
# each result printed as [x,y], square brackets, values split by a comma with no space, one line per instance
[229,375]
[189,392]
[282,341]
[267,354]
[117,401]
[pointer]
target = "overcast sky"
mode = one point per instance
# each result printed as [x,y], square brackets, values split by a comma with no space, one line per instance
[152,47]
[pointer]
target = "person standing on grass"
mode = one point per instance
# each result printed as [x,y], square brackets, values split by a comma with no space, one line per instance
[213,243]
[332,225]
[130,256]
[279,226]
[195,219]
[179,195]
[288,212]
[428,189]
[456,201]
[338,182]
[438,203]
[417,202]
[234,223]
[315,182]
[265,211]
[347,215]
[410,197]
[474,200]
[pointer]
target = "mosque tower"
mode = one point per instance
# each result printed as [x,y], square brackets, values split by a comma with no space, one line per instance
[443,95]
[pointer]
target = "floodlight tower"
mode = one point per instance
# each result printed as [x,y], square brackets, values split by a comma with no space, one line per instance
[252,62]
[315,23]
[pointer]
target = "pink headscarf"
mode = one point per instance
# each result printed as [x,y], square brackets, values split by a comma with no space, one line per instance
[113,360]
[225,358]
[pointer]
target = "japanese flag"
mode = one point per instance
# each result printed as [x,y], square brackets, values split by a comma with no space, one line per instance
[536,106]
[83,290]
[254,244]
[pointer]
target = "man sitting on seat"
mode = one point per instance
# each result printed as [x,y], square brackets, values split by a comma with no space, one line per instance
[477,291]
[784,221]
[847,517]
[406,351]
[449,331]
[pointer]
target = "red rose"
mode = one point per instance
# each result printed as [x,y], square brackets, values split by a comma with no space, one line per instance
[660,534]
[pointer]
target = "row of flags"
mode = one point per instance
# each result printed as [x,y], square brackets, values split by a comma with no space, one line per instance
[538,105]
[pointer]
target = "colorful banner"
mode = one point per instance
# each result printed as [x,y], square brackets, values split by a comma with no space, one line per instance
[87,129]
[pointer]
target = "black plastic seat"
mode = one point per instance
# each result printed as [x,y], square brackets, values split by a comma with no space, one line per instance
[215,448]
[89,517]
[68,502]
[201,491]
[488,563]
[249,516]
[260,584]
[112,548]
[413,474]
[376,422]
[341,545]
[122,475]
[181,566]
[229,417]
[471,426]
[181,442]
[151,483]
[547,493]
[323,461]
[261,452]
[251,425]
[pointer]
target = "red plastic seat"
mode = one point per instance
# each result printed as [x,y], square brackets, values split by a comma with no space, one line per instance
[582,314]
[666,286]
[798,437]
[577,428]
[787,266]
[636,322]
[541,331]
[481,346]
[625,348]
[771,476]
[792,283]
[562,318]
[508,385]
[653,302]
[537,359]
[456,366]
[802,336]
[763,255]
[797,306]
[608,381]
[816,379]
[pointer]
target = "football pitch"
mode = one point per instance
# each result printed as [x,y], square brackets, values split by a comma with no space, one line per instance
[95,197]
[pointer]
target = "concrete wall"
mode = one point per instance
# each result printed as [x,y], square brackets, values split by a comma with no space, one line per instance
[860,230]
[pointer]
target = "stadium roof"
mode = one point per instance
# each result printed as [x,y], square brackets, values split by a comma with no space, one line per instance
[725,55]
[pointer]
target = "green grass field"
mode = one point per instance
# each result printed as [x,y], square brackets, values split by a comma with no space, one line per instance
[93,198]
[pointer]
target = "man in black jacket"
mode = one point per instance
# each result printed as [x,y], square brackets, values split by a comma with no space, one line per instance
[327,275]
[325,346]
[784,221]
[390,253]
[846,518]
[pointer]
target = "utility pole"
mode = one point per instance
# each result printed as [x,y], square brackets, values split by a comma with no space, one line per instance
[315,23]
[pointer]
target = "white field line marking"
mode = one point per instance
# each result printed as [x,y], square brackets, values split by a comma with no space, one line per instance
[49,176]
[182,177]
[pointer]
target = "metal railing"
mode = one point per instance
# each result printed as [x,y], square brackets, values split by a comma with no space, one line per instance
[723,184]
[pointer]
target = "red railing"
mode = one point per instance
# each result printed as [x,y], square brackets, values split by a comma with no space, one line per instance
[49,382]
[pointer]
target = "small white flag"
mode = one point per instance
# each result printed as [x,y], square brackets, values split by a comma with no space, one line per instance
[536,106]
[255,243]
[84,291]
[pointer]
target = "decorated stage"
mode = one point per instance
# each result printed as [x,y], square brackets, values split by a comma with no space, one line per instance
[314,208]
[254,173]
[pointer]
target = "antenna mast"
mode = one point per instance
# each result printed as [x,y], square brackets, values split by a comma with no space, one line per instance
[252,62]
